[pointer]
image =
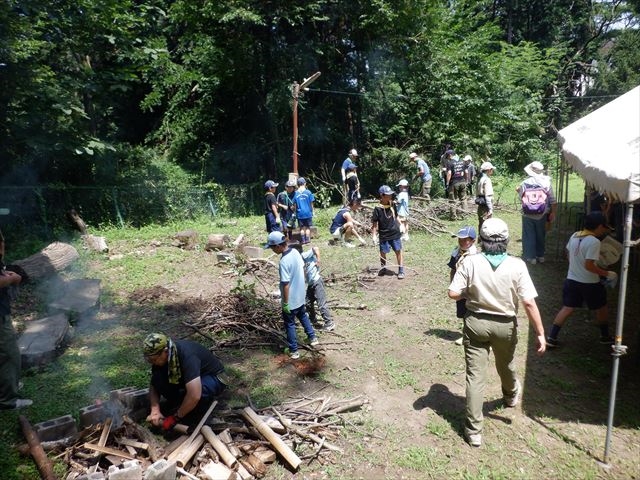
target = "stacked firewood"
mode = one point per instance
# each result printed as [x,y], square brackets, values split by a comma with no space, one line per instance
[232,444]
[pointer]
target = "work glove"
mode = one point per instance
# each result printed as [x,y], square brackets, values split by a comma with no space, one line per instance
[169,422]
[286,308]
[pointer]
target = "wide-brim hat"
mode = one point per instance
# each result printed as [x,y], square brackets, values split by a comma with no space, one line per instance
[534,168]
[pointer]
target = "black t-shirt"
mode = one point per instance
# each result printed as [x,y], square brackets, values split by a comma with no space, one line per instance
[456,167]
[195,361]
[269,200]
[388,228]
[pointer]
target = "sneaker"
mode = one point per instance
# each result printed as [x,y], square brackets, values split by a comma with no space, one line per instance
[459,341]
[473,439]
[314,341]
[294,355]
[348,245]
[329,326]
[531,261]
[540,259]
[400,275]
[607,340]
[21,403]
[514,399]
[552,342]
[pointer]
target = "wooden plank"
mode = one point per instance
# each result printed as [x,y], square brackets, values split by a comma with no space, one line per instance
[108,450]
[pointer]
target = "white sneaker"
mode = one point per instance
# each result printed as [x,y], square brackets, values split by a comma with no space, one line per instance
[348,245]
[22,402]
[314,341]
[294,355]
[514,399]
[459,341]
[532,261]
[540,259]
[473,439]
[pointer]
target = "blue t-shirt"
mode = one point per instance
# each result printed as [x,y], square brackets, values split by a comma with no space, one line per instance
[426,173]
[292,272]
[311,269]
[346,163]
[339,220]
[304,204]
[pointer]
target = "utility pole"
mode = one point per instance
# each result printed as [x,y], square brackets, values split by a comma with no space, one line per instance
[296,89]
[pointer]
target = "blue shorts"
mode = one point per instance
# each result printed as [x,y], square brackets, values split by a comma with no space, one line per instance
[387,245]
[305,222]
[575,294]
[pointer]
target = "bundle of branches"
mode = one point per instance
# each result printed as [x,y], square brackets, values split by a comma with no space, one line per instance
[240,319]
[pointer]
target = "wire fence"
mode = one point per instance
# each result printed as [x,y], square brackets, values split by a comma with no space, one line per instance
[40,210]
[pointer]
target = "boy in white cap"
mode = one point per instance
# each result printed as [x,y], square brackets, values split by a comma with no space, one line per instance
[293,290]
[351,159]
[385,225]
[403,208]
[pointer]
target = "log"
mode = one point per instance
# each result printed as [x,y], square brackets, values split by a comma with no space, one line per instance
[45,467]
[219,446]
[186,239]
[145,435]
[51,260]
[99,244]
[289,455]
[238,241]
[77,221]
[175,444]
[183,455]
[217,241]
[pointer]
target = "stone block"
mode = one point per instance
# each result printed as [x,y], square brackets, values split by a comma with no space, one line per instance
[161,470]
[129,470]
[56,429]
[253,252]
[92,415]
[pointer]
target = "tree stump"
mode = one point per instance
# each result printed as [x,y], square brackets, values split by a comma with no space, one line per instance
[187,239]
[53,259]
[217,241]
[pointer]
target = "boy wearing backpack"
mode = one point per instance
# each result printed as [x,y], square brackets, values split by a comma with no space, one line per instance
[538,211]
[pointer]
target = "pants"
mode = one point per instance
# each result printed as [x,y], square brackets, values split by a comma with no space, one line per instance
[290,326]
[270,223]
[533,236]
[10,363]
[457,192]
[425,188]
[480,332]
[317,293]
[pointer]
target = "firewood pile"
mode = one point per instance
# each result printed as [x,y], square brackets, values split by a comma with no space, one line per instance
[232,444]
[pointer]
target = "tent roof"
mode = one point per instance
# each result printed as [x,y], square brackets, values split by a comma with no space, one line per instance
[603,147]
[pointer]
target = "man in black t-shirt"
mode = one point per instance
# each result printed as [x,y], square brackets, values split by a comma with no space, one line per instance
[456,184]
[185,374]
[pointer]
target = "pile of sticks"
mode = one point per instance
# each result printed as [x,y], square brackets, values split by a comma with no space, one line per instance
[233,444]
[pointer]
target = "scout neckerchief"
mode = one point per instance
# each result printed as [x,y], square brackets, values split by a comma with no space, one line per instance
[581,235]
[387,207]
[174,364]
[496,259]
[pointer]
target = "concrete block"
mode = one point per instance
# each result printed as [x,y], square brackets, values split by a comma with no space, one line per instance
[137,399]
[56,429]
[129,470]
[161,470]
[253,252]
[121,393]
[92,415]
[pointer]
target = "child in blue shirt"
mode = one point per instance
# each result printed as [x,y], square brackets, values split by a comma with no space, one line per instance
[315,287]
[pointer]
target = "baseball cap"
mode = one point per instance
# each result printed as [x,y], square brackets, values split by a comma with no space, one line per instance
[403,183]
[466,232]
[487,166]
[467,158]
[449,152]
[353,152]
[385,190]
[301,181]
[290,183]
[413,155]
[594,219]
[275,238]
[269,184]
[154,343]
[494,229]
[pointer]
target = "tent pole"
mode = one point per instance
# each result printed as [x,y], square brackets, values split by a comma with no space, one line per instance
[618,348]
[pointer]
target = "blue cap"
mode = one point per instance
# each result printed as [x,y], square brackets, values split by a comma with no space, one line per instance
[385,190]
[466,232]
[269,184]
[275,238]
[301,181]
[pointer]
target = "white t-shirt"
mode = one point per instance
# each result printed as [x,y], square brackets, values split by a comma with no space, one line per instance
[493,292]
[580,250]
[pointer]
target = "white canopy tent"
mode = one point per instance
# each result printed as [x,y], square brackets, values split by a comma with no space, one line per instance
[604,149]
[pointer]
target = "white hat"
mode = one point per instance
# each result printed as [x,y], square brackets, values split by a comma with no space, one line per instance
[494,229]
[487,166]
[534,168]
[403,183]
[467,158]
[413,155]
[353,152]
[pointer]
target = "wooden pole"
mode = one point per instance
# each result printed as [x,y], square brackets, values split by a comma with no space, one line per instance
[185,454]
[202,420]
[45,467]
[264,429]
[295,89]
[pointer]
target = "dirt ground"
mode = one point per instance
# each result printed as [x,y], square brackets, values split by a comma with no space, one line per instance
[399,351]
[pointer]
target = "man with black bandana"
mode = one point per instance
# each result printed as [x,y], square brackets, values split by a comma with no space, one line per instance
[185,374]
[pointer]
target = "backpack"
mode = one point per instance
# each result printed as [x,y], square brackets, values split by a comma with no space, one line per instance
[534,199]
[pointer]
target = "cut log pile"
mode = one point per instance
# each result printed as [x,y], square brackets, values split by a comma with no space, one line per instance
[231,444]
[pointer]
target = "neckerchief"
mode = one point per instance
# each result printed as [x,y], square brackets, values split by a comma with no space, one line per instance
[584,233]
[173,364]
[495,260]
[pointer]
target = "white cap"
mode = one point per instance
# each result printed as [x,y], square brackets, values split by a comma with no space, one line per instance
[494,229]
[403,183]
[353,152]
[413,155]
[467,158]
[487,166]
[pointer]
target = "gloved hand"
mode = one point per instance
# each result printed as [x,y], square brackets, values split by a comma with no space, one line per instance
[169,422]
[286,308]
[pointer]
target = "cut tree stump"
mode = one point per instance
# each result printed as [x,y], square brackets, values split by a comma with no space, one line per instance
[43,339]
[80,299]
[217,241]
[187,239]
[53,259]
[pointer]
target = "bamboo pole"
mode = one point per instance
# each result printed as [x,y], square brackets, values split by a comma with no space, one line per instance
[196,431]
[275,440]
[45,467]
[184,455]
[219,446]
